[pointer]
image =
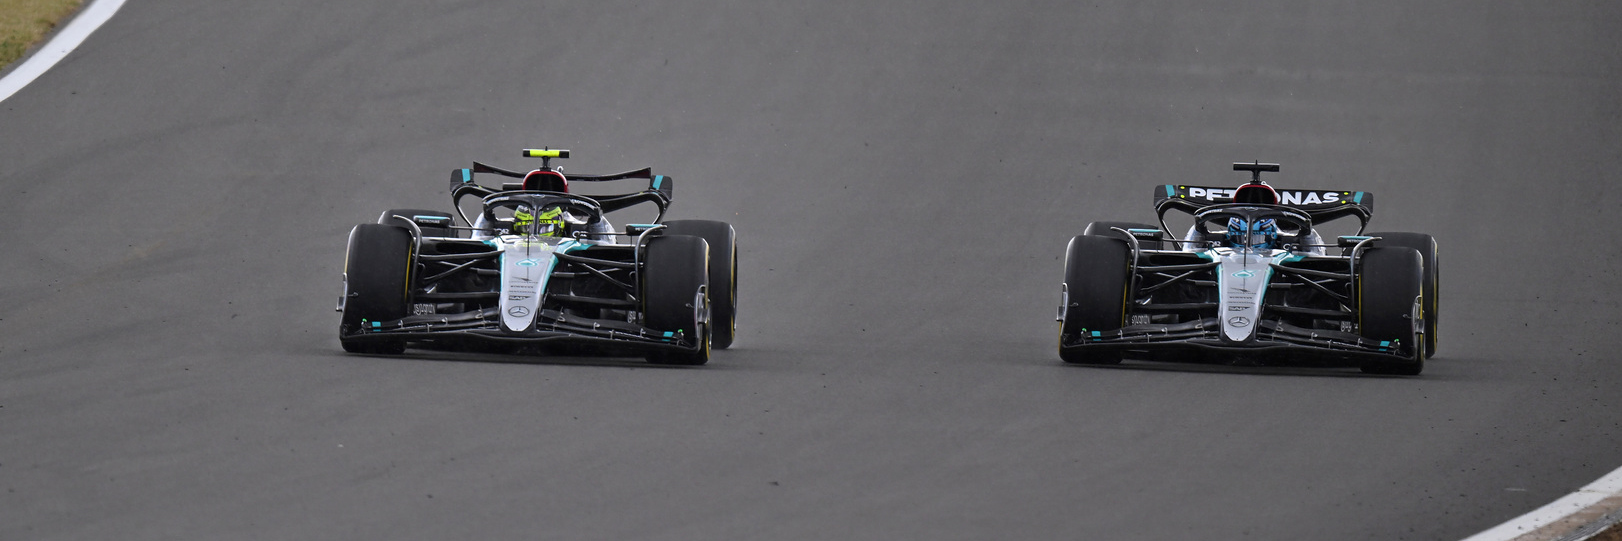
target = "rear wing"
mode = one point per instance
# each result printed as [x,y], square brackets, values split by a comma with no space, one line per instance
[1320,205]
[659,190]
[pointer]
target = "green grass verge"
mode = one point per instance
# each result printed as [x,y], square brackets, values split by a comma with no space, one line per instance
[24,22]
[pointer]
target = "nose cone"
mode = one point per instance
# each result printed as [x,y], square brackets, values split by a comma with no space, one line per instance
[1243,284]
[526,264]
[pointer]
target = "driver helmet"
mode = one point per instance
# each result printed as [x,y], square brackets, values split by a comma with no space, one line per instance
[547,223]
[1261,235]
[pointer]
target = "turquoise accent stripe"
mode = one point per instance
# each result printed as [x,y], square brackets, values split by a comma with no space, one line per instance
[1096,334]
[1170,192]
[669,334]
[1358,198]
[467,176]
[377,324]
[657,180]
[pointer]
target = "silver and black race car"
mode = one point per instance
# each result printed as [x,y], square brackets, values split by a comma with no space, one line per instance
[541,269]
[1251,281]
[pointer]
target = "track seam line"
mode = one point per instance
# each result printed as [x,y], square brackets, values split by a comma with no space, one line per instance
[64,42]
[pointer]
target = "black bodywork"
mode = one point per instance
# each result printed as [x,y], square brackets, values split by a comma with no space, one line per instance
[1174,306]
[592,301]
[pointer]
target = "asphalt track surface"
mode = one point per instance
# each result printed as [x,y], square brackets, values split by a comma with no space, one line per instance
[903,177]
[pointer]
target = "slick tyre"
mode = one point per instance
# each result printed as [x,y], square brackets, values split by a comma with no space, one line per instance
[1426,245]
[1095,289]
[1389,282]
[1103,229]
[388,218]
[377,278]
[723,241]
[675,280]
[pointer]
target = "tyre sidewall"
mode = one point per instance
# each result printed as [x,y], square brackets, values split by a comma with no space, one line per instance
[675,268]
[377,277]
[723,243]
[1426,245]
[1388,280]
[1096,278]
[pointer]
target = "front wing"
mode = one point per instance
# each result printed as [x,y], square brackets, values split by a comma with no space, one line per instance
[1275,339]
[551,328]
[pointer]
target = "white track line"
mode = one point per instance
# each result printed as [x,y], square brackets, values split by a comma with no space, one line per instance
[1566,514]
[58,48]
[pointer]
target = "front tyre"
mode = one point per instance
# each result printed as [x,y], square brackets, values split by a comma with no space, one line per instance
[723,241]
[377,277]
[1389,298]
[675,285]
[1426,245]
[1095,287]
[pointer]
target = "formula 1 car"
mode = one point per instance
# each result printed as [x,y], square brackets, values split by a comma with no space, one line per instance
[541,266]
[1252,280]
